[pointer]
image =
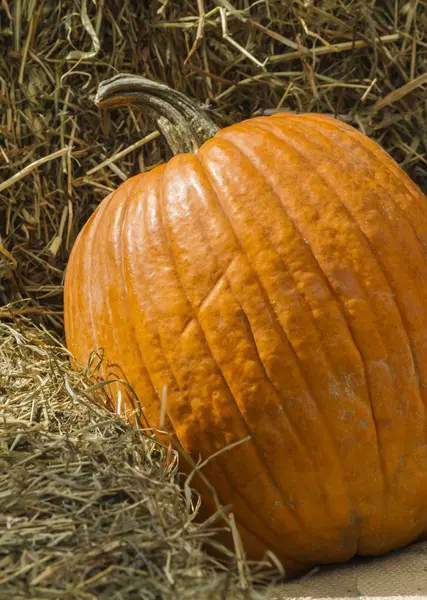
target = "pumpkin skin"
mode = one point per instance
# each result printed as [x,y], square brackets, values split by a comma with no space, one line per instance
[276,282]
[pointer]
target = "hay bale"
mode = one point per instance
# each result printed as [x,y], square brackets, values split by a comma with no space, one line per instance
[90,507]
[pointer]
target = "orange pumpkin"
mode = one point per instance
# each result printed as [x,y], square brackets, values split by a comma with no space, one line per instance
[274,278]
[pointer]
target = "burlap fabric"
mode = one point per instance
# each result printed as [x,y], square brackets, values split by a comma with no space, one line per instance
[401,575]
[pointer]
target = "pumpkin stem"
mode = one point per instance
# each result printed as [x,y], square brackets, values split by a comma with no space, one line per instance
[182,122]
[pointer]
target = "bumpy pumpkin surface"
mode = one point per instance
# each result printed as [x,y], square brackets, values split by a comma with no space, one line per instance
[276,282]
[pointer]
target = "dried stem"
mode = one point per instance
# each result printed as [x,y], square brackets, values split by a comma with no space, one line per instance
[182,122]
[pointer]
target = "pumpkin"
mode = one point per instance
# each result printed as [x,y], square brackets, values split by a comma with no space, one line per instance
[273,276]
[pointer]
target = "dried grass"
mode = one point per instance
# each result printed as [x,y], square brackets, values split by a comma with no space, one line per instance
[362,61]
[89,507]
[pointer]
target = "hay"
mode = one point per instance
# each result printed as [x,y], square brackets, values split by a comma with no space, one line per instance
[362,61]
[89,507]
